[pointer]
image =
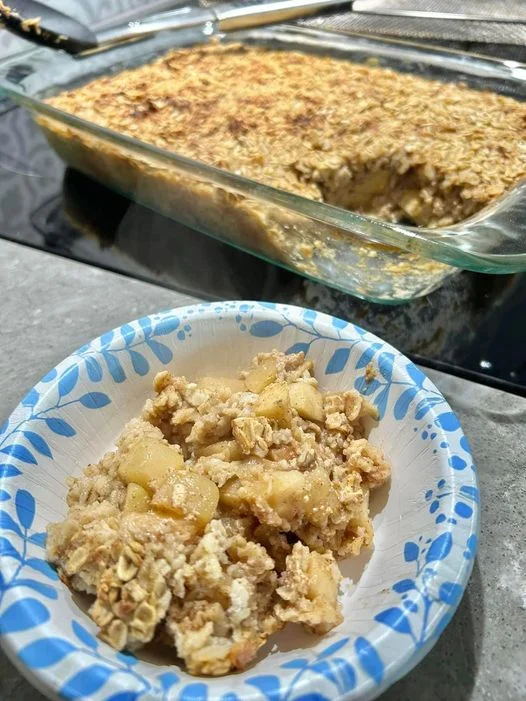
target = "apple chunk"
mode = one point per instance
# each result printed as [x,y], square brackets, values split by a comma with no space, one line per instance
[137,499]
[307,400]
[149,460]
[187,495]
[225,450]
[261,376]
[274,403]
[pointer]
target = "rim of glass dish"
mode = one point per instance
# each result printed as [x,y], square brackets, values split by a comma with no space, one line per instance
[46,680]
[408,239]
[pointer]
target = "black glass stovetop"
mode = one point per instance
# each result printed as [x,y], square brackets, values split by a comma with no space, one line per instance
[474,326]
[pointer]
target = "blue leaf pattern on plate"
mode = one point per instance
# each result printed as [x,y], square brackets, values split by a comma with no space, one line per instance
[45,652]
[338,361]
[42,566]
[457,463]
[115,368]
[139,362]
[9,471]
[450,593]
[448,421]
[268,684]
[265,329]
[7,523]
[38,442]
[463,510]
[339,323]
[299,663]
[167,326]
[23,615]
[345,674]
[25,508]
[309,315]
[402,403]
[19,452]
[385,365]
[84,635]
[60,427]
[41,588]
[367,387]
[127,659]
[369,659]
[194,692]
[404,585]
[128,334]
[411,552]
[106,338]
[415,374]
[381,401]
[325,668]
[7,549]
[68,381]
[124,696]
[94,400]
[31,398]
[471,547]
[161,352]
[38,539]
[168,679]
[425,405]
[396,619]
[470,492]
[86,682]
[335,647]
[440,547]
[94,369]
[50,376]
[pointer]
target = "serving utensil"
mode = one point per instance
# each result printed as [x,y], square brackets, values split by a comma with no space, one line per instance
[46,26]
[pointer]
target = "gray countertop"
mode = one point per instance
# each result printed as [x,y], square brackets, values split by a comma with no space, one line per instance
[50,306]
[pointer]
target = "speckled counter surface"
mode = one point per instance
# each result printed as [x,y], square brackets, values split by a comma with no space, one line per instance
[50,306]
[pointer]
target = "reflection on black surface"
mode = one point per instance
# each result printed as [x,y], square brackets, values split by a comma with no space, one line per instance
[474,321]
[136,240]
[458,324]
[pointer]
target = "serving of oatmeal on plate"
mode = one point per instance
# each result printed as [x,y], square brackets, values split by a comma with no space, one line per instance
[222,512]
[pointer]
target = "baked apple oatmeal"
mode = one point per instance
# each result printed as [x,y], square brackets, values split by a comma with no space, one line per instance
[222,512]
[366,138]
[362,137]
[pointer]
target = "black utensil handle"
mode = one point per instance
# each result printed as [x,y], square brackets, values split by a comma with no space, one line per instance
[43,25]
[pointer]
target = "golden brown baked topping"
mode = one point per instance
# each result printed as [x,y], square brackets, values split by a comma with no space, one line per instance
[361,137]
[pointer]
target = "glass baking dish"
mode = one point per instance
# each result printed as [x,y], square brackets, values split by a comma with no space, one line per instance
[372,259]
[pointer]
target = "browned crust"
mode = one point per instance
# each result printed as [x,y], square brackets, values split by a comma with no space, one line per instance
[321,127]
